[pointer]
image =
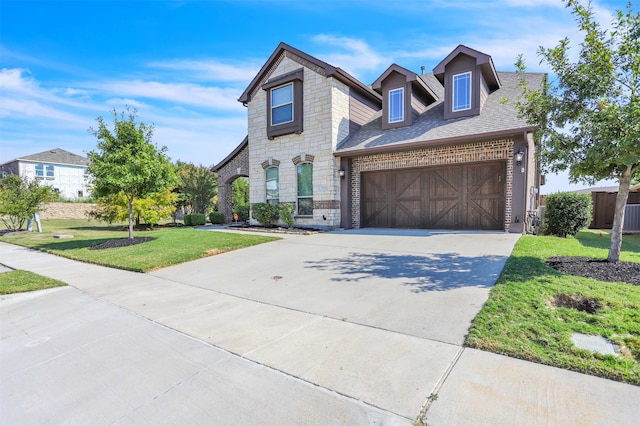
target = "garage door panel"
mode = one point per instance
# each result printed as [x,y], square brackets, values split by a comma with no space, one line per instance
[452,197]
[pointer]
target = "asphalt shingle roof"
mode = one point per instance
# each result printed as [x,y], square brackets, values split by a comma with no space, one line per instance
[57,156]
[498,114]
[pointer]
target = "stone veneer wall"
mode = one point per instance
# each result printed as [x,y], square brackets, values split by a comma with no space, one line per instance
[325,123]
[65,211]
[437,156]
[238,166]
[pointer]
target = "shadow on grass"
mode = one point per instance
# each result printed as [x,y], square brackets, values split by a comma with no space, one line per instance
[71,244]
[437,272]
[525,268]
[602,240]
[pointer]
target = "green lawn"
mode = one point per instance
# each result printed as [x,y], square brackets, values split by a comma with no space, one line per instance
[520,319]
[171,245]
[21,281]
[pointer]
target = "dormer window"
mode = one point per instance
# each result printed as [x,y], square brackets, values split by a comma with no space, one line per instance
[461,92]
[282,104]
[396,105]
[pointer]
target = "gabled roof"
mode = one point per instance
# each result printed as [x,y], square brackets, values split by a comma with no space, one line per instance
[230,157]
[482,59]
[55,156]
[410,76]
[326,69]
[499,118]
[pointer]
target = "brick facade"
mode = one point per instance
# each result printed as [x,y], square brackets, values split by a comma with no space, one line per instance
[237,167]
[437,156]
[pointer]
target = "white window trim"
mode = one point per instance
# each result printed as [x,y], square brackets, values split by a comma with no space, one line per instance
[286,103]
[453,92]
[401,90]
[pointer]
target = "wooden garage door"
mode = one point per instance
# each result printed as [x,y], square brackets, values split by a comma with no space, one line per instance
[453,197]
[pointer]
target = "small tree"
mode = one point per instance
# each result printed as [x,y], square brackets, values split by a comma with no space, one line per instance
[20,199]
[150,210]
[566,213]
[240,195]
[589,115]
[197,188]
[127,161]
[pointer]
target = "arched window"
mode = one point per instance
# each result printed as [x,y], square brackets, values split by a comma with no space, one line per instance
[305,189]
[273,185]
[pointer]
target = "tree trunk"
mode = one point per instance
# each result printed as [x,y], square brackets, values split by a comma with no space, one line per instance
[131,217]
[618,218]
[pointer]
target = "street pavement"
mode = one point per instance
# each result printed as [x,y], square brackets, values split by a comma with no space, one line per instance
[352,327]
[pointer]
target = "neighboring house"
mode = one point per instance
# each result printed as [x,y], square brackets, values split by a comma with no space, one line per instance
[443,150]
[64,171]
[604,207]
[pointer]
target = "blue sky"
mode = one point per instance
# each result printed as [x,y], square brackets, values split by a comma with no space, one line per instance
[183,64]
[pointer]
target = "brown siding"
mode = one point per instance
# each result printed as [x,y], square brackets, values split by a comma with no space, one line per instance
[361,110]
[463,63]
[484,91]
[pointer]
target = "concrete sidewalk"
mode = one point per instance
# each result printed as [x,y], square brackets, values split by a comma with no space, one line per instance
[167,348]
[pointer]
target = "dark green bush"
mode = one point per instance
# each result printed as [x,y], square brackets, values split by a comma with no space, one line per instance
[566,213]
[195,219]
[266,214]
[243,213]
[216,217]
[286,213]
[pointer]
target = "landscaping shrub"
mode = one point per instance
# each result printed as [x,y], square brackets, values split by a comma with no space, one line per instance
[243,213]
[266,214]
[286,213]
[216,217]
[195,219]
[566,213]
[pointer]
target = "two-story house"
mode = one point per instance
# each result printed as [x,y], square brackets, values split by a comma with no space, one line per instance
[439,150]
[64,171]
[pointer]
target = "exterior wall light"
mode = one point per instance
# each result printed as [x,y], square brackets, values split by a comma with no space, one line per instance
[341,173]
[519,156]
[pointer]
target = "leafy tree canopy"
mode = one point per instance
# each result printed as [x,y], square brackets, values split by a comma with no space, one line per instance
[127,161]
[197,188]
[20,198]
[589,113]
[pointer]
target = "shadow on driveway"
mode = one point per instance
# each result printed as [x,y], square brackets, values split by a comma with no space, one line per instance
[437,272]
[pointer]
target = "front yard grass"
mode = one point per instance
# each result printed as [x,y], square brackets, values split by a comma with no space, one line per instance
[21,281]
[171,245]
[521,320]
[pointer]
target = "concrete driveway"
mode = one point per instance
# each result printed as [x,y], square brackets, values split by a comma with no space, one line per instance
[338,328]
[420,283]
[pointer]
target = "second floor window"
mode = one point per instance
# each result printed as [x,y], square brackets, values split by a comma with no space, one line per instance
[282,104]
[44,170]
[396,105]
[461,92]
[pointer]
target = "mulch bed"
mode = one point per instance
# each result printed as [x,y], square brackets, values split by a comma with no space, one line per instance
[121,242]
[275,229]
[598,269]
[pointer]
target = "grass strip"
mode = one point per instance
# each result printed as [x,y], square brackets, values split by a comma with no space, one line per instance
[20,281]
[171,245]
[522,319]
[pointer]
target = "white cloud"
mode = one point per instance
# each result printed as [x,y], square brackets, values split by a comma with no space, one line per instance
[181,93]
[210,70]
[359,56]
